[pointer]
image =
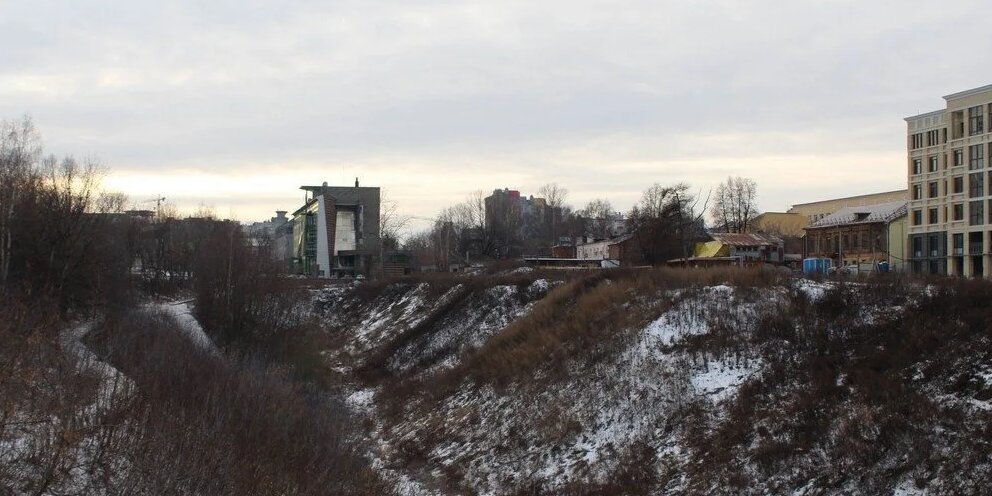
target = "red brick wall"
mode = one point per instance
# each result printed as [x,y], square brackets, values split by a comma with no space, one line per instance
[562,251]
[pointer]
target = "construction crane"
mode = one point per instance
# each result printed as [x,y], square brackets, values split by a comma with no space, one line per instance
[158,204]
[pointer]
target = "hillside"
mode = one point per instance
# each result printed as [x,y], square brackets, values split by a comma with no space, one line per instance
[668,382]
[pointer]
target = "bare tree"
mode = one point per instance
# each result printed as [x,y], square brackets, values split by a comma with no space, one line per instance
[391,223]
[666,220]
[600,216]
[555,196]
[20,148]
[734,204]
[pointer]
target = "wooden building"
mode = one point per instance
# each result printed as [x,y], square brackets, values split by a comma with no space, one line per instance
[863,234]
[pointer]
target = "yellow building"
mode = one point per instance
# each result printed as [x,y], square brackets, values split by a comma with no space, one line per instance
[814,211]
[780,223]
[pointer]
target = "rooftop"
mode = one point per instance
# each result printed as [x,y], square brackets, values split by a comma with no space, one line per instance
[868,214]
[746,239]
[905,191]
[973,91]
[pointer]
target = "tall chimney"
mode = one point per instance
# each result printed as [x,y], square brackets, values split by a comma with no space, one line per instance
[356,182]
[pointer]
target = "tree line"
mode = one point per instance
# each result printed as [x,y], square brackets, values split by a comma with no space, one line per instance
[253,417]
[666,221]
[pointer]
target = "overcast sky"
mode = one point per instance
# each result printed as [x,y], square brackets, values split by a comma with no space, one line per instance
[235,104]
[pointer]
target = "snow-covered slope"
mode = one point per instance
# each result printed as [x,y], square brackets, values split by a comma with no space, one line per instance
[644,386]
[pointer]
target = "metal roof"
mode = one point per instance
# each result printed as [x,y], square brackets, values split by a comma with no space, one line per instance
[868,214]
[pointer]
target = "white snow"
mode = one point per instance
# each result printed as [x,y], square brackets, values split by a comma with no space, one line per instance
[361,400]
[814,290]
[539,286]
[183,313]
[720,380]
[908,488]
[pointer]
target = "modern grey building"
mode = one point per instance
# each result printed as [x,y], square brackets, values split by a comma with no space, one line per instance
[336,231]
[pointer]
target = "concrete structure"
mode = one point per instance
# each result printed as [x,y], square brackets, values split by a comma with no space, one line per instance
[336,231]
[595,250]
[817,210]
[622,250]
[860,235]
[947,164]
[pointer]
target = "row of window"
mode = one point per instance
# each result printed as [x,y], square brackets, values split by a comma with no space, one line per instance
[929,138]
[976,213]
[976,187]
[929,245]
[975,125]
[854,242]
[932,244]
[976,159]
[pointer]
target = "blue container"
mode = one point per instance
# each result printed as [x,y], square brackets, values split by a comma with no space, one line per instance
[819,266]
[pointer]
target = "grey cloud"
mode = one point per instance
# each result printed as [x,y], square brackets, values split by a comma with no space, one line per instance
[528,85]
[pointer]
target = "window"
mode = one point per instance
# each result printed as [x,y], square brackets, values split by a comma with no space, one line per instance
[917,166]
[958,240]
[957,121]
[917,191]
[932,216]
[976,213]
[976,185]
[916,141]
[958,210]
[917,246]
[976,124]
[933,137]
[917,217]
[976,159]
[959,157]
[958,183]
[932,164]
[933,242]
[932,190]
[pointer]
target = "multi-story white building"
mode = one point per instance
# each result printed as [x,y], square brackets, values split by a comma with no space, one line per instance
[950,194]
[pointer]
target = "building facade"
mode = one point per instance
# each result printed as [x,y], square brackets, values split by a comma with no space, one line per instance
[860,235]
[947,165]
[336,231]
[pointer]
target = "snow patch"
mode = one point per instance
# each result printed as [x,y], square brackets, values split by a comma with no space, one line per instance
[361,400]
[182,311]
[720,380]
[814,290]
